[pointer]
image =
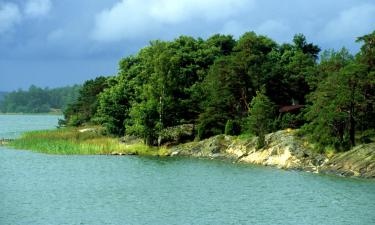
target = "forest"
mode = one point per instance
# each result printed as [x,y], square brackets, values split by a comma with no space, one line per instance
[2,95]
[252,85]
[38,100]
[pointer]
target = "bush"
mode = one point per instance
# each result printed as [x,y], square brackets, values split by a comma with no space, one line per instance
[232,128]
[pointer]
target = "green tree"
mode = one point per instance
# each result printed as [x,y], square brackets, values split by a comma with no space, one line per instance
[338,105]
[84,108]
[261,116]
[225,97]
[39,100]
[115,101]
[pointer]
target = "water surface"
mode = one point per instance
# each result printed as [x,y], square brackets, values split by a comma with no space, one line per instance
[12,126]
[49,189]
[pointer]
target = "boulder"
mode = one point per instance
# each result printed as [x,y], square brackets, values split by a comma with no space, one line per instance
[176,135]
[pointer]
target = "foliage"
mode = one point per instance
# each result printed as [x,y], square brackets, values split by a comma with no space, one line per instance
[209,83]
[229,128]
[290,120]
[339,105]
[225,97]
[38,100]
[261,116]
[2,95]
[84,108]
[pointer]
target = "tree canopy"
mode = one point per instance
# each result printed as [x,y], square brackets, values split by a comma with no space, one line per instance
[223,85]
[38,100]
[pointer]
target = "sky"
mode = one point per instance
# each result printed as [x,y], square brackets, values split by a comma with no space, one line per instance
[63,42]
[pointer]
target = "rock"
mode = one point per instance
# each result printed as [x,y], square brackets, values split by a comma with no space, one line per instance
[177,135]
[283,150]
[360,161]
[175,153]
[87,130]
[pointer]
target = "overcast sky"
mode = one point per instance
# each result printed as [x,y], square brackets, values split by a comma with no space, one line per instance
[61,42]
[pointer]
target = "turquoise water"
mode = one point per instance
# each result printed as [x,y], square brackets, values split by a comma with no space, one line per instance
[12,126]
[50,189]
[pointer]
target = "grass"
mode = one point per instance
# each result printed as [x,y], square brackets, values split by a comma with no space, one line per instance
[245,136]
[69,141]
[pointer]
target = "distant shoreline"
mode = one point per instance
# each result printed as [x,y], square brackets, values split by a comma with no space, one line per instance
[51,113]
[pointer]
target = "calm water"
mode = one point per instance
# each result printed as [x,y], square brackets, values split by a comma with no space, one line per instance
[48,189]
[12,126]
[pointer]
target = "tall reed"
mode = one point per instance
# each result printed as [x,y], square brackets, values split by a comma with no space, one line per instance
[69,141]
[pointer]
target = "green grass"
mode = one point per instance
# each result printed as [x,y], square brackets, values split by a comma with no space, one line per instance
[245,136]
[69,141]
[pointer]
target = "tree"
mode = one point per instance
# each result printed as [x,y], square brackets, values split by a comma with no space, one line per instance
[254,55]
[85,107]
[261,116]
[39,100]
[300,44]
[343,103]
[337,106]
[367,54]
[225,97]
[297,66]
[115,101]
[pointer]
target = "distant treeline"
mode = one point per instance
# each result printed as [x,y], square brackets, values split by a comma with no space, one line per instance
[39,100]
[250,85]
[2,95]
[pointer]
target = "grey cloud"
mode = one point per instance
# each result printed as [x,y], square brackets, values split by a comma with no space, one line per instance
[9,16]
[101,32]
[129,19]
[36,8]
[353,22]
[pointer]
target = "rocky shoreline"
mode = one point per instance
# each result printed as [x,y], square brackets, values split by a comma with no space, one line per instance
[283,150]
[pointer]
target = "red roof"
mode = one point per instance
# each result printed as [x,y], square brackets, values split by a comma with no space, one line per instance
[289,108]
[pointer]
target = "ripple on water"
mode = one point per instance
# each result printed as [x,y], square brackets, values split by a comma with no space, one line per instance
[49,189]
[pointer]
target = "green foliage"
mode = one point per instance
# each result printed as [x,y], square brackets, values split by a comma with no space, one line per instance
[229,127]
[209,83]
[261,116]
[144,122]
[289,120]
[85,107]
[226,97]
[38,100]
[232,128]
[2,95]
[338,107]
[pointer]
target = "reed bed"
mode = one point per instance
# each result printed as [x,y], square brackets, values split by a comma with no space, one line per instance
[69,141]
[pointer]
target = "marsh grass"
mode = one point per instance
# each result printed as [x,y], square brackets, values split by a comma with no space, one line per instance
[69,141]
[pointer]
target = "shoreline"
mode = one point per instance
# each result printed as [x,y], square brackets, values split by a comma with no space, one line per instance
[286,151]
[31,114]
[283,150]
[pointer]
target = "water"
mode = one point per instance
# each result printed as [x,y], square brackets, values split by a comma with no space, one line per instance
[50,189]
[12,126]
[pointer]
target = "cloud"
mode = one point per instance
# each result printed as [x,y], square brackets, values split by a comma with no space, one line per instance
[234,28]
[55,35]
[275,29]
[9,16]
[351,23]
[130,19]
[36,8]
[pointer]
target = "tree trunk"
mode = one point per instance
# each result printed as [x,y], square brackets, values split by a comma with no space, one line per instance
[352,128]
